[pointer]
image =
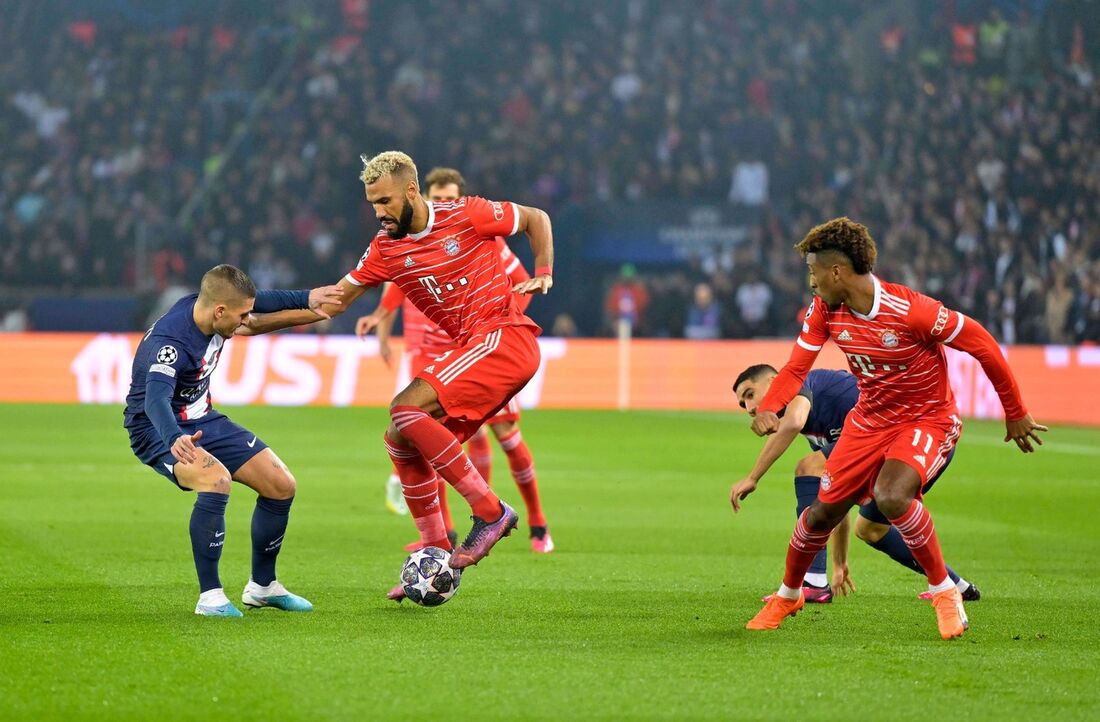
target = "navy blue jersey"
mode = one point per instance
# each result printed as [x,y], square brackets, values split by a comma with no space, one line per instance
[832,394]
[176,353]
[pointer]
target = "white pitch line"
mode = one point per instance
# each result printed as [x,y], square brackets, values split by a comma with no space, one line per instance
[1056,447]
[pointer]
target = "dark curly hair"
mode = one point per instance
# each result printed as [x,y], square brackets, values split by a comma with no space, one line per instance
[843,236]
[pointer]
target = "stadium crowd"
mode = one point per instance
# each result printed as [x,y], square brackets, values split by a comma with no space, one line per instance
[966,143]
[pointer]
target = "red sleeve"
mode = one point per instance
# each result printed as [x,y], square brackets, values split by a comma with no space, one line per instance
[492,218]
[786,385]
[370,271]
[392,297]
[933,321]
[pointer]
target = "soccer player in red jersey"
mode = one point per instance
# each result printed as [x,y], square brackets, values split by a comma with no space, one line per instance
[444,257]
[425,341]
[905,424]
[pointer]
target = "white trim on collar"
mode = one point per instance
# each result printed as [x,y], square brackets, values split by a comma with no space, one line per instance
[427,228]
[874,306]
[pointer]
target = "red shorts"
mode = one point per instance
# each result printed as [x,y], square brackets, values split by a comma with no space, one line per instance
[476,381]
[858,456]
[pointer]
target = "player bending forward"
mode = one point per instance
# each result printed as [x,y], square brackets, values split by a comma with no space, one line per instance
[444,258]
[818,413]
[424,342]
[175,429]
[905,424]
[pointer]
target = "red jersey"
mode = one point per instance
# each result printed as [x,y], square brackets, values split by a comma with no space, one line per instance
[423,336]
[896,355]
[451,270]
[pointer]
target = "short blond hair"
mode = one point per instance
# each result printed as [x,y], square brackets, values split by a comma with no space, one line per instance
[390,162]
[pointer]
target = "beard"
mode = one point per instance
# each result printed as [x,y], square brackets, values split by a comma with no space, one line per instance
[404,223]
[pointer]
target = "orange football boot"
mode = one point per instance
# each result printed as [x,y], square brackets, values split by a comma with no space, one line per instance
[776,610]
[950,615]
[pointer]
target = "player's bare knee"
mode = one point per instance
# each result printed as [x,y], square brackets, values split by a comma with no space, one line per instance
[869,531]
[282,485]
[808,466]
[216,483]
[503,428]
[394,436]
[891,500]
[817,517]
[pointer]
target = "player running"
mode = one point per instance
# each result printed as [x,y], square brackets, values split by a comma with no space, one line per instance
[175,429]
[905,424]
[444,258]
[426,341]
[818,412]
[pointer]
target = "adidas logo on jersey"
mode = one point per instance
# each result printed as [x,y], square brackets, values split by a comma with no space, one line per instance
[408,262]
[920,458]
[844,336]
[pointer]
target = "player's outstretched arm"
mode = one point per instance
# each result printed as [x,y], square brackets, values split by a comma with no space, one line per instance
[971,337]
[268,322]
[788,382]
[784,387]
[798,410]
[536,224]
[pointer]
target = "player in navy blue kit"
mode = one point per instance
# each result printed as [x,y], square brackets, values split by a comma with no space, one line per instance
[175,430]
[818,413]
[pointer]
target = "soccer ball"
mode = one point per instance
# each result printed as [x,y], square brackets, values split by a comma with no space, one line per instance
[427,577]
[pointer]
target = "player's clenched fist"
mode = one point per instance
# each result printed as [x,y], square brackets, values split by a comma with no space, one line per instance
[764,423]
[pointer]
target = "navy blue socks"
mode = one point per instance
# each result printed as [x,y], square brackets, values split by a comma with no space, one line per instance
[268,527]
[207,537]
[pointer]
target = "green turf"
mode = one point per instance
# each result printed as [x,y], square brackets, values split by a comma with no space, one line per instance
[639,614]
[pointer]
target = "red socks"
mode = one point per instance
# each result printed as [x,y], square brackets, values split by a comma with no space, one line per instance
[523,471]
[805,544]
[442,450]
[444,507]
[916,528]
[418,484]
[481,454]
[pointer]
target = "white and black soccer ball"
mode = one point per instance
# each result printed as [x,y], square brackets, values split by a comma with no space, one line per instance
[427,577]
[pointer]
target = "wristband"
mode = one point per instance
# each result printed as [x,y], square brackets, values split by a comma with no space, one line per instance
[544,271]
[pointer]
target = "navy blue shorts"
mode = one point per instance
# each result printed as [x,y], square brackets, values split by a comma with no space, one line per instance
[228,442]
[870,511]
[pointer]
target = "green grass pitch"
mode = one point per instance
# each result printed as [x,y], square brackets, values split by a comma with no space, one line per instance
[639,614]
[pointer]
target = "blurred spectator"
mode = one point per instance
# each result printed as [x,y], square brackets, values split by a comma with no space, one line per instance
[627,300]
[750,183]
[564,326]
[754,301]
[1059,299]
[704,316]
[963,134]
